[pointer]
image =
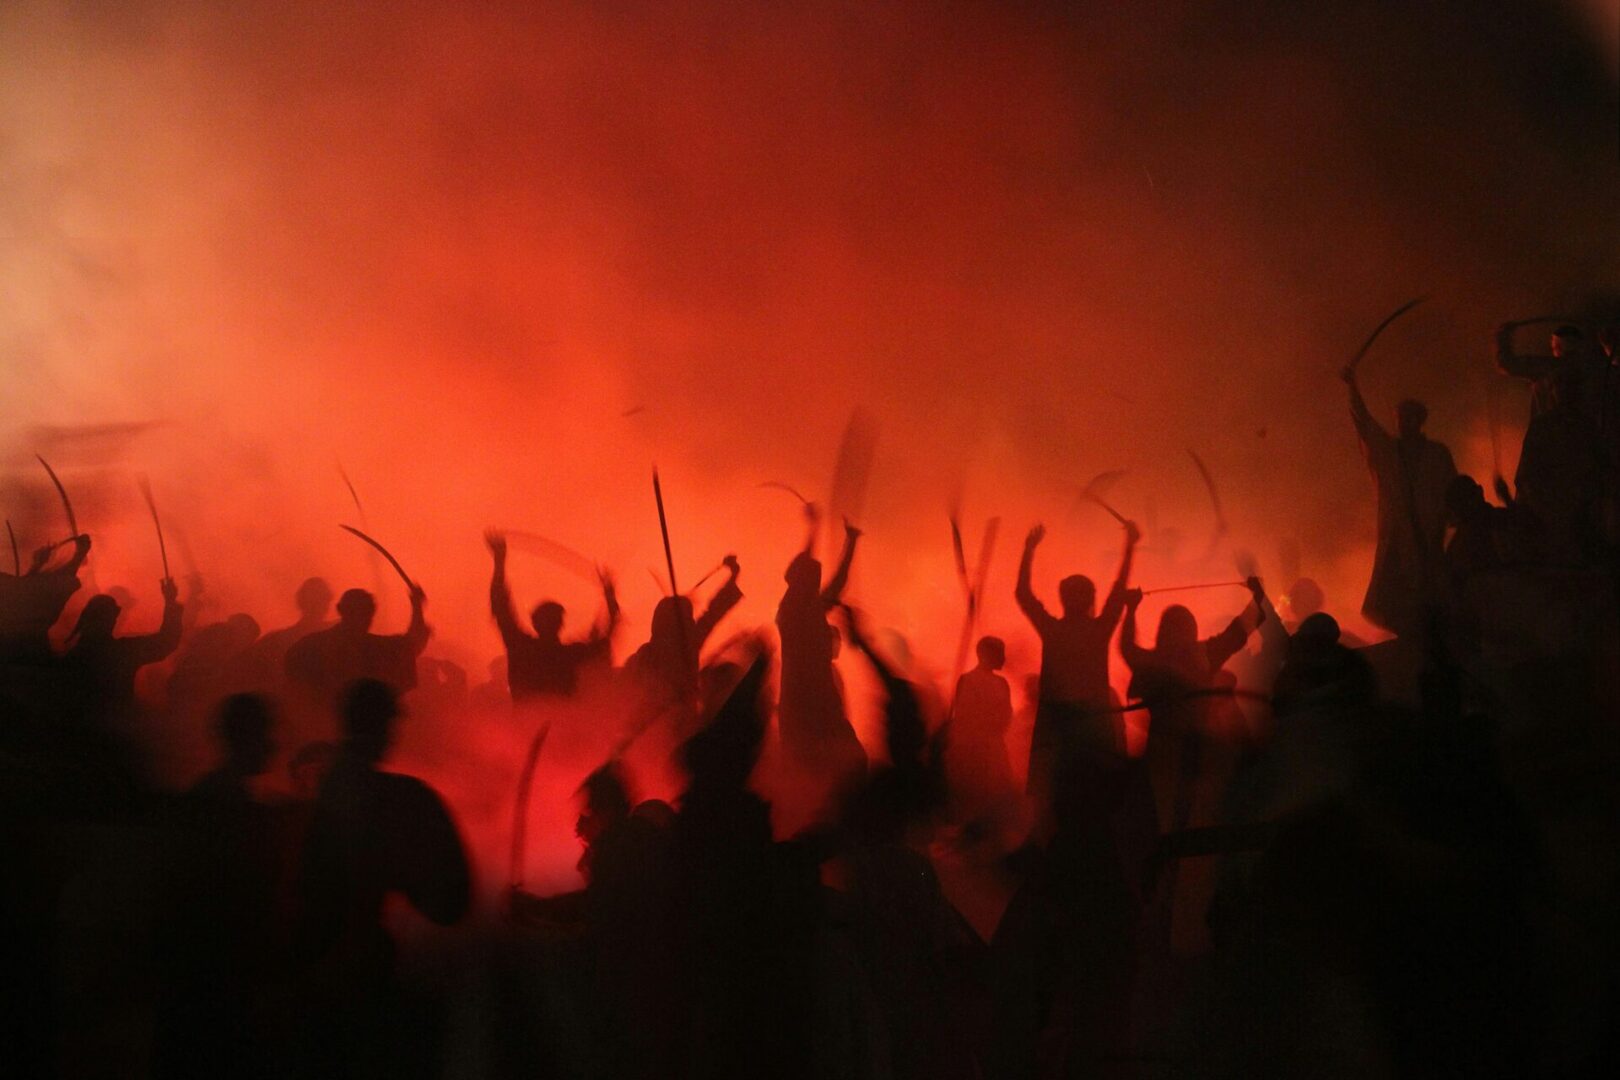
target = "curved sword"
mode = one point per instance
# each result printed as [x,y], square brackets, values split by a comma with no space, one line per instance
[520,806]
[163,551]
[398,569]
[789,488]
[1391,317]
[67,504]
[1214,496]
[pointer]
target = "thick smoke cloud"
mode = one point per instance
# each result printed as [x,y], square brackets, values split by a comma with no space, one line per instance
[498,260]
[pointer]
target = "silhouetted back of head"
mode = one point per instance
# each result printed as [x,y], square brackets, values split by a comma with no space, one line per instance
[243,723]
[97,619]
[804,572]
[1178,630]
[607,794]
[547,619]
[992,652]
[241,630]
[313,598]
[1078,595]
[356,608]
[672,619]
[1318,631]
[370,708]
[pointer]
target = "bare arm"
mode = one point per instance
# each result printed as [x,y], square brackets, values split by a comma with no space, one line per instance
[1135,656]
[1369,429]
[1115,604]
[722,602]
[150,648]
[1023,592]
[417,633]
[1223,646]
[500,595]
[834,590]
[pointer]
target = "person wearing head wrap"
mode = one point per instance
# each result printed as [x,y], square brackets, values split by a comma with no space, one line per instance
[1410,472]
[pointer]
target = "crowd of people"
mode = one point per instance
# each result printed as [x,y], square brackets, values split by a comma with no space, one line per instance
[1323,859]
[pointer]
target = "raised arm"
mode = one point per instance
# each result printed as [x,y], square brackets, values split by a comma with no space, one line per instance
[1032,608]
[1135,656]
[150,648]
[722,602]
[834,589]
[1115,604]
[1223,646]
[904,730]
[1369,429]
[81,548]
[500,596]
[417,633]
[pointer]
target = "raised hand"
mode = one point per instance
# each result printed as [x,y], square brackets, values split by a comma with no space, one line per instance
[1036,535]
[1133,533]
[170,590]
[496,541]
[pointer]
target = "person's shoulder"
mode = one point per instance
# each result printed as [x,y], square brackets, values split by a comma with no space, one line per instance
[407,789]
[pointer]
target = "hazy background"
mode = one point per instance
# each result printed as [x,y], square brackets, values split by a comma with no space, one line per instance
[499,261]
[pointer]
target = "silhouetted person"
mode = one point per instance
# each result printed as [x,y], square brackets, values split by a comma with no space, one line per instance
[976,744]
[625,910]
[268,656]
[1075,714]
[374,834]
[1484,537]
[327,661]
[1559,479]
[1179,679]
[99,668]
[1410,473]
[30,604]
[217,935]
[915,950]
[541,664]
[818,743]
[744,909]
[1562,376]
[666,668]
[1321,670]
